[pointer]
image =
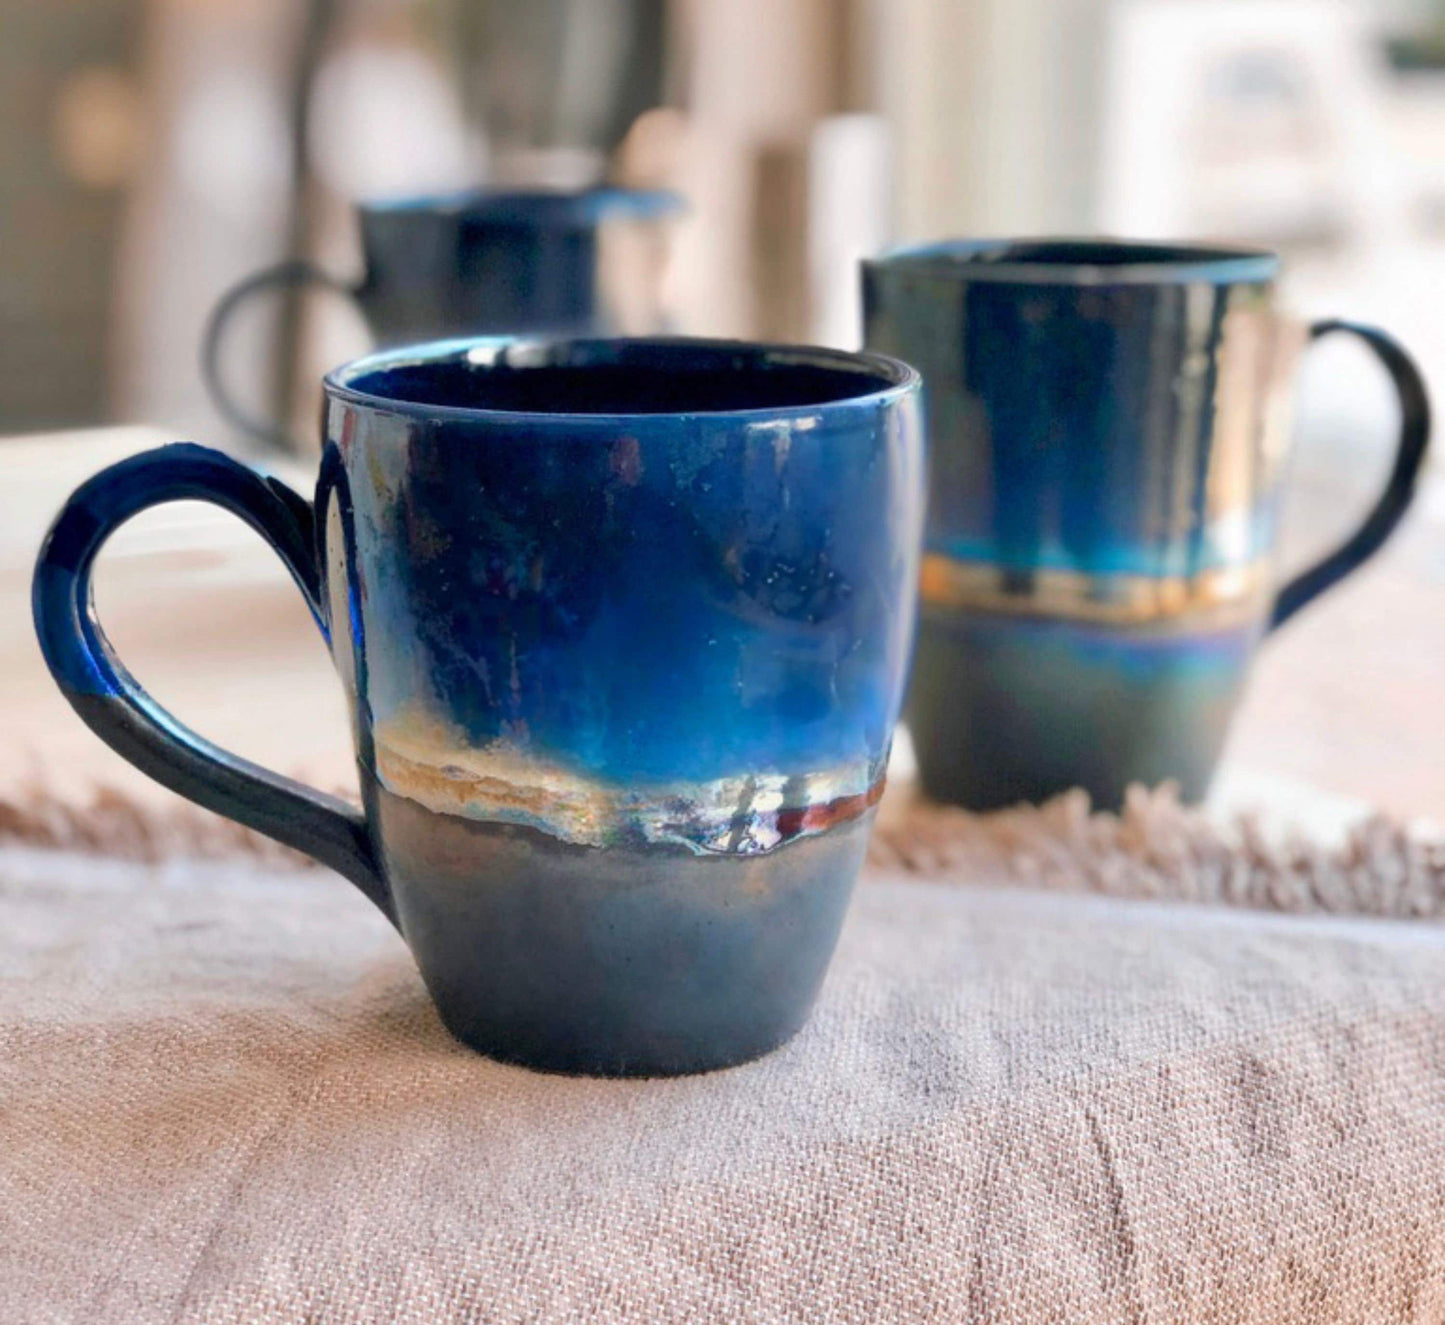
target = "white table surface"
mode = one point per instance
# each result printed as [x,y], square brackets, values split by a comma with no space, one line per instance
[1344,712]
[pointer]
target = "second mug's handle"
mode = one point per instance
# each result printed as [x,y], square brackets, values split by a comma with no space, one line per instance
[112,703]
[281,276]
[1399,490]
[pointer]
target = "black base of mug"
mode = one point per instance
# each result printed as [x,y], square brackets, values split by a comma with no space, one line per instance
[568,1060]
[614,961]
[1003,710]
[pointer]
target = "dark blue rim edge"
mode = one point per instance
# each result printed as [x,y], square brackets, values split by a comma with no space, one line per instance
[900,378]
[537,206]
[1215,263]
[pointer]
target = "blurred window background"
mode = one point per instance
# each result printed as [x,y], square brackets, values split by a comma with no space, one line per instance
[154,151]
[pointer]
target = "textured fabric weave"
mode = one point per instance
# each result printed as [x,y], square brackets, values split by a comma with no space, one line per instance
[224,1097]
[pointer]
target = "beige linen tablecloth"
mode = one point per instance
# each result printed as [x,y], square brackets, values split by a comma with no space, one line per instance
[224,1097]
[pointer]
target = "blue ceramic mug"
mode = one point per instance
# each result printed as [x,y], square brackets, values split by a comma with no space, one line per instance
[1108,429]
[624,626]
[486,262]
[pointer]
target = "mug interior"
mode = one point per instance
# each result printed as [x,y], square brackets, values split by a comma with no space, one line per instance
[615,377]
[1085,259]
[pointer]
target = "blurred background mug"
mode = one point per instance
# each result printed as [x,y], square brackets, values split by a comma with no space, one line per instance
[624,627]
[1108,428]
[588,262]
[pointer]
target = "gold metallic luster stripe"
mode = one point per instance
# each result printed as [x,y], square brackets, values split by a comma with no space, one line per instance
[420,757]
[1122,600]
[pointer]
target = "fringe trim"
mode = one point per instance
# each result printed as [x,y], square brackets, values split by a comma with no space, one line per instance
[1154,848]
[114,824]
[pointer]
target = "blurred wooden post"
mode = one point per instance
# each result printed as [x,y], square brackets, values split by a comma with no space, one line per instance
[210,204]
[995,108]
[780,241]
[758,75]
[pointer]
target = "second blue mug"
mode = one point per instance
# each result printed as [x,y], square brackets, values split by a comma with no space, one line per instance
[1109,435]
[485,262]
[624,627]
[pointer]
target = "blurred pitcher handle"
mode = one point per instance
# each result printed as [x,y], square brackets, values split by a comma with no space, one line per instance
[281,276]
[1399,490]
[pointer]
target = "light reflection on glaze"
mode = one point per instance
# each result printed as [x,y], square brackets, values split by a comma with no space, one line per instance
[417,756]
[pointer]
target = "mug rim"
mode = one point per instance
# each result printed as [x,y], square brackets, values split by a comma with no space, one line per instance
[893,379]
[562,208]
[1129,261]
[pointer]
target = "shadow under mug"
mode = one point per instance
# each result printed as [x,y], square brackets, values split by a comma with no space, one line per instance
[481,263]
[624,628]
[1108,431]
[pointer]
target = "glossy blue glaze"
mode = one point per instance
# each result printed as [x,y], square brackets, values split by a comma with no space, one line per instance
[1072,407]
[624,627]
[741,568]
[1108,441]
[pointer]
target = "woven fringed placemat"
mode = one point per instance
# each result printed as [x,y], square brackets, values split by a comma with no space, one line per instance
[1154,848]
[1157,848]
[112,823]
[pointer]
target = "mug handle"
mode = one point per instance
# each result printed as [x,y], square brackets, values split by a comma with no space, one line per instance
[281,276]
[1399,490]
[114,706]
